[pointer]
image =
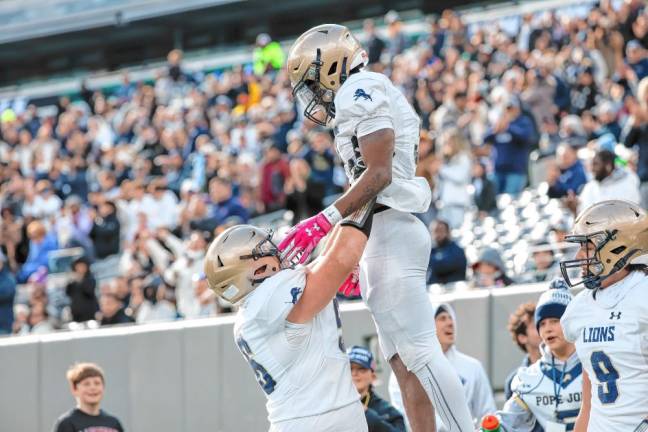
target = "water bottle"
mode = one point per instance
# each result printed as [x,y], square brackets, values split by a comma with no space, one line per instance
[490,423]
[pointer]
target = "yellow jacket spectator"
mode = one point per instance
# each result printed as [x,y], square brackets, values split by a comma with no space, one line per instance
[268,55]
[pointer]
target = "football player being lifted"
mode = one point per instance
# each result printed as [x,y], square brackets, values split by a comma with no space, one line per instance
[376,136]
[608,321]
[288,326]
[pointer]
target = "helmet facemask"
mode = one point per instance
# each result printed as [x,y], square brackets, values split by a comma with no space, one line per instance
[316,98]
[237,275]
[593,269]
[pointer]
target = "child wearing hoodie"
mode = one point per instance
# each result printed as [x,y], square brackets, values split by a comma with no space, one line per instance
[548,393]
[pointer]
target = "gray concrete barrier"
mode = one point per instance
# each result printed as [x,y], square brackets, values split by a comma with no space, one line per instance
[189,375]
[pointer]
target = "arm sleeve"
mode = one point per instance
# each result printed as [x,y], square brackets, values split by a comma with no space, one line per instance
[566,322]
[362,107]
[288,289]
[515,416]
[159,255]
[175,244]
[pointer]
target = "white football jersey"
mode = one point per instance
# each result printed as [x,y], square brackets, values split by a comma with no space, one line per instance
[548,391]
[302,368]
[367,102]
[611,337]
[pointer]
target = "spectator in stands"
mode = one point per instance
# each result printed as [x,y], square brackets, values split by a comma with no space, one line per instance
[380,415]
[509,137]
[489,270]
[374,44]
[453,177]
[38,319]
[158,303]
[396,39]
[567,175]
[321,160]
[81,291]
[161,206]
[106,230]
[606,117]
[223,206]
[609,182]
[112,310]
[7,294]
[46,203]
[204,304]
[637,60]
[11,233]
[41,243]
[485,190]
[471,372]
[476,385]
[447,259]
[544,266]
[188,258]
[521,326]
[174,65]
[74,225]
[584,93]
[274,173]
[303,196]
[637,135]
[268,55]
[87,384]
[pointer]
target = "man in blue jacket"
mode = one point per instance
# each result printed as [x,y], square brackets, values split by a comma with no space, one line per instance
[568,175]
[7,294]
[447,259]
[223,207]
[511,137]
[41,243]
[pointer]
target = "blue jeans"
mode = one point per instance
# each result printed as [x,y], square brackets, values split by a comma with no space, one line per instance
[510,183]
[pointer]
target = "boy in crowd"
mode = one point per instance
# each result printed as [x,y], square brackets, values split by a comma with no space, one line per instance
[548,393]
[87,386]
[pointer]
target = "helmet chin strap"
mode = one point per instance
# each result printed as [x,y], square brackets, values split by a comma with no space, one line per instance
[343,75]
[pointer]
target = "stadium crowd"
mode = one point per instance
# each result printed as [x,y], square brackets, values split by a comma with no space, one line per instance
[142,177]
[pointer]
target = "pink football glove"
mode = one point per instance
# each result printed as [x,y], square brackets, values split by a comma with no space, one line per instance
[351,286]
[302,239]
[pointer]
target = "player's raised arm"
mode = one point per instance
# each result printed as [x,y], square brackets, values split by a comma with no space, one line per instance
[327,273]
[376,149]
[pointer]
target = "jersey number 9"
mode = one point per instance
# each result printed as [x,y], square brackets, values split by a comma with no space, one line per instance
[606,376]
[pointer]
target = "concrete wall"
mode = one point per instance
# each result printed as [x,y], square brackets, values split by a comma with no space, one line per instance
[189,375]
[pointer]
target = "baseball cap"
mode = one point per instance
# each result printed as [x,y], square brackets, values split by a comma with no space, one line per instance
[392,16]
[633,44]
[361,356]
[553,302]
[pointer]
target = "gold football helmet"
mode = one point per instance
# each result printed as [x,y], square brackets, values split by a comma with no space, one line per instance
[618,231]
[232,264]
[318,63]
